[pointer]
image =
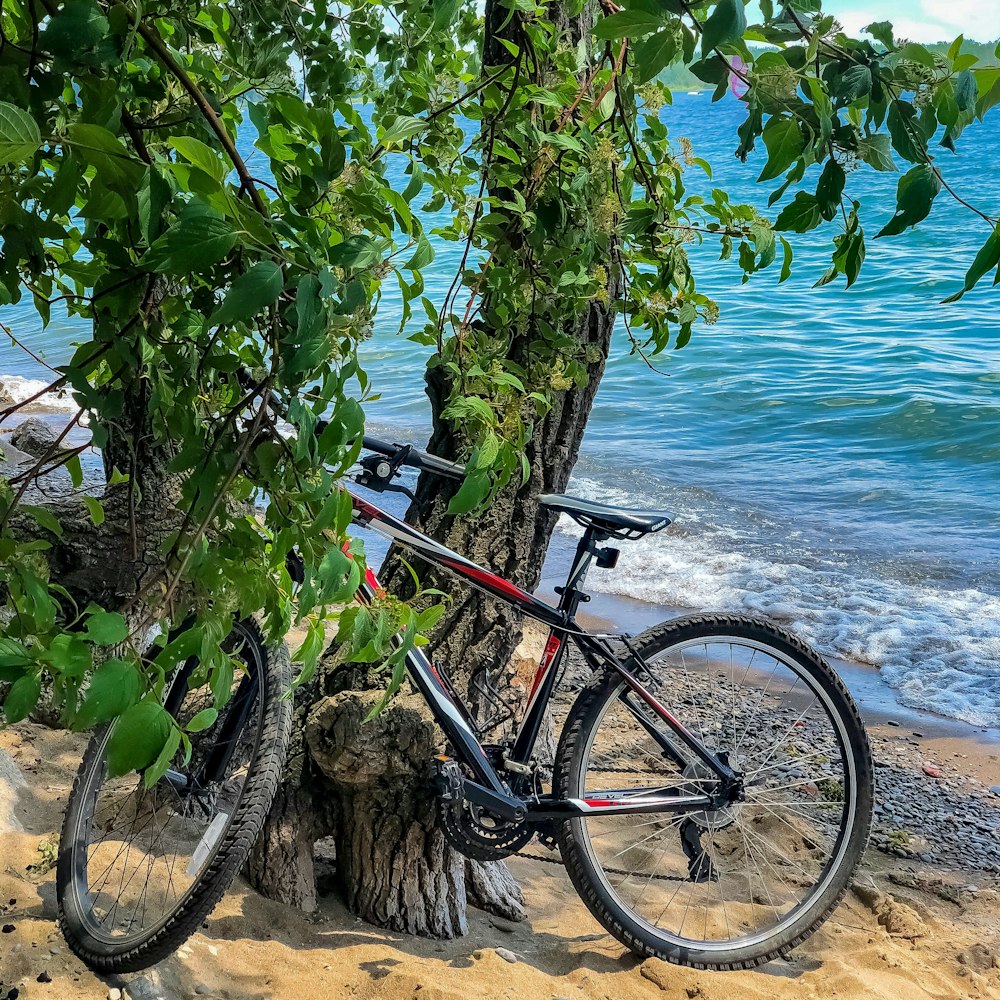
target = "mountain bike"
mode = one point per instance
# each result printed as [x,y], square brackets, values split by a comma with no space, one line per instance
[710,797]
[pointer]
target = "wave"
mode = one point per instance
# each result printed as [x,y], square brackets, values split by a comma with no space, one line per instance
[939,648]
[20,389]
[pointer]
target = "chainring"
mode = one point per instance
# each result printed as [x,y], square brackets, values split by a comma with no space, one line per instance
[481,843]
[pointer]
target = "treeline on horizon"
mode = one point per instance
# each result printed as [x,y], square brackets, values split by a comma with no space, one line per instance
[678,77]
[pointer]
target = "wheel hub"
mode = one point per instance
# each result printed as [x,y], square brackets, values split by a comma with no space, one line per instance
[705,782]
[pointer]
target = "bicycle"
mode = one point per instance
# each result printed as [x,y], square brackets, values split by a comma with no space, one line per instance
[741,824]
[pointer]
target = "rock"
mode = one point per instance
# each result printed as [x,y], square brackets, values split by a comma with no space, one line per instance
[34,436]
[202,989]
[995,789]
[5,397]
[892,722]
[43,977]
[507,926]
[114,993]
[12,458]
[11,780]
[932,771]
[507,955]
[978,958]
[144,988]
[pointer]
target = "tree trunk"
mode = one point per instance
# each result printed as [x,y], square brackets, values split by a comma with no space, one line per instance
[394,867]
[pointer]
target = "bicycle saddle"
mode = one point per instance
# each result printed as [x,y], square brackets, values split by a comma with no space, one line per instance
[604,517]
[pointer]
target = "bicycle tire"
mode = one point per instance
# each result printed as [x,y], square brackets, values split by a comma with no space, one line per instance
[273,721]
[579,856]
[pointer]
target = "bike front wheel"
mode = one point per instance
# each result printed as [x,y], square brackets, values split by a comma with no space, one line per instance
[140,868]
[744,882]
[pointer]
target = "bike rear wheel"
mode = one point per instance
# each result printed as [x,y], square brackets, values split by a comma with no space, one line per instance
[139,869]
[743,883]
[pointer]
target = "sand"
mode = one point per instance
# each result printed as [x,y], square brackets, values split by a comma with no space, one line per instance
[907,930]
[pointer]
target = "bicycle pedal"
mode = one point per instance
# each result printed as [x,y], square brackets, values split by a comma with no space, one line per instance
[448,779]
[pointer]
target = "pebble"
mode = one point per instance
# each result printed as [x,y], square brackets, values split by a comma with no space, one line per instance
[202,990]
[507,955]
[995,789]
[932,772]
[507,926]
[114,993]
[892,722]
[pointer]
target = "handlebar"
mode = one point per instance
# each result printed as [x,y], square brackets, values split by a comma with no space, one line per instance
[415,458]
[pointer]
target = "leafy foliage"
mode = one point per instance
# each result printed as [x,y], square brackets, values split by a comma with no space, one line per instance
[227,295]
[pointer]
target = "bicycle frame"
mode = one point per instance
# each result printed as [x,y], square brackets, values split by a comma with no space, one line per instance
[490,788]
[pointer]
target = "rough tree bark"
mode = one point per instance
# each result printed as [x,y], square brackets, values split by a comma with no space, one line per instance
[365,784]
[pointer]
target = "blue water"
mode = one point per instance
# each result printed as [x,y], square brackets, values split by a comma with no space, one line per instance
[831,455]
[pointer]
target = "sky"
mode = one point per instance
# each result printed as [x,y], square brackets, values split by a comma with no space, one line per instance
[922,20]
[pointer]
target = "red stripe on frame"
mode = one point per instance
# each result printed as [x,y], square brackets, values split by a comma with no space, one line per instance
[487,579]
[551,648]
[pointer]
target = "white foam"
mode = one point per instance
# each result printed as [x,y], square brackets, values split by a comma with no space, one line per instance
[938,647]
[21,388]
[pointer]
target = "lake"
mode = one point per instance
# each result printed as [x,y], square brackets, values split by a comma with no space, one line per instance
[832,456]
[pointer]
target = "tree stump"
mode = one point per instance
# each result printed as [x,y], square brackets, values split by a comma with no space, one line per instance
[366,785]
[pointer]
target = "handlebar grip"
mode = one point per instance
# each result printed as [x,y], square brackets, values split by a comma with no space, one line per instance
[417,459]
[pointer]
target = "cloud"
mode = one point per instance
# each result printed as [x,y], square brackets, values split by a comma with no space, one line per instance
[934,20]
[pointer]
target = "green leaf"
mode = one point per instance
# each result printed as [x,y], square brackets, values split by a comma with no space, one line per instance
[882,30]
[422,256]
[725,25]
[785,142]
[200,155]
[249,294]
[164,759]
[966,90]
[915,52]
[877,153]
[75,471]
[471,493]
[22,697]
[801,215]
[906,136]
[199,239]
[915,194]
[96,510]
[203,720]
[138,737]
[115,165]
[830,188]
[786,260]
[19,134]
[79,32]
[632,23]
[987,259]
[355,251]
[853,84]
[401,127]
[106,628]
[654,54]
[44,517]
[114,686]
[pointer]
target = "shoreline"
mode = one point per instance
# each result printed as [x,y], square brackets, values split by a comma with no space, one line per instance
[876,699]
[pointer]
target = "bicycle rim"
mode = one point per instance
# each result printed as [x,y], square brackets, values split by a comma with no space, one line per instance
[139,854]
[741,876]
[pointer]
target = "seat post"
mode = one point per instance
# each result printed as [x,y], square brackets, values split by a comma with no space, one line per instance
[571,596]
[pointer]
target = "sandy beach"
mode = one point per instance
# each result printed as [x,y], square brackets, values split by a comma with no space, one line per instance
[920,921]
